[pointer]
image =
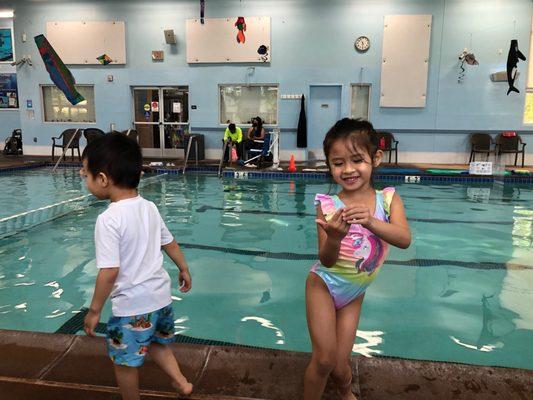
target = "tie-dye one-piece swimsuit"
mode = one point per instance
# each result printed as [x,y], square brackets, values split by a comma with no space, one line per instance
[361,252]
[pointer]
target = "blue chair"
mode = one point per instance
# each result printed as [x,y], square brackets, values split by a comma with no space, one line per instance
[260,153]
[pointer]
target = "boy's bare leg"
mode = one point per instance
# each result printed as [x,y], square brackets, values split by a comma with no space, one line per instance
[165,359]
[128,382]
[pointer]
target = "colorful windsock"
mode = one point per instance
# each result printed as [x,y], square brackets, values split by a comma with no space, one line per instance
[58,71]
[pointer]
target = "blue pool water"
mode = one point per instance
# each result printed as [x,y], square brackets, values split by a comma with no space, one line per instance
[462,292]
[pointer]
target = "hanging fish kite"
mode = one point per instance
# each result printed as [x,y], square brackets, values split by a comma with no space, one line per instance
[241,26]
[58,71]
[512,61]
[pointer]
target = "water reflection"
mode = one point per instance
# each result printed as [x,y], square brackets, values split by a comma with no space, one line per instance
[372,338]
[265,323]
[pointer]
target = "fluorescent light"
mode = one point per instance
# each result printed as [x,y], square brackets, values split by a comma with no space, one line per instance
[6,13]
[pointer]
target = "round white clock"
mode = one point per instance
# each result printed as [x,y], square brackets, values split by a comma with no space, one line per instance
[362,44]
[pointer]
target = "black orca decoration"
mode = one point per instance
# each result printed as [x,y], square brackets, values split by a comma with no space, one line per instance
[512,61]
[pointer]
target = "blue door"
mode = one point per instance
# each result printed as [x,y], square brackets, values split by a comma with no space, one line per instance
[324,110]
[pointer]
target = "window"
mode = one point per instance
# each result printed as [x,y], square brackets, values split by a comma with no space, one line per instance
[528,109]
[58,109]
[528,106]
[360,100]
[241,103]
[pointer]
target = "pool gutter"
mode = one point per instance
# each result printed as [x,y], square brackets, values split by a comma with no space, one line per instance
[45,366]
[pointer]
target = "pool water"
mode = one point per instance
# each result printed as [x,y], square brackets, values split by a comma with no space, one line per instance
[462,292]
[37,189]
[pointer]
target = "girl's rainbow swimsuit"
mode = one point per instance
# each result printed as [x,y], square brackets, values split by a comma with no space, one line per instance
[361,252]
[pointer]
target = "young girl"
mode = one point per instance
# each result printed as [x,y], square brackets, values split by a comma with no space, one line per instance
[354,229]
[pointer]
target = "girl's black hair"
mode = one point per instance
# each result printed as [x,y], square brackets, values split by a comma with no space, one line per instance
[361,135]
[360,132]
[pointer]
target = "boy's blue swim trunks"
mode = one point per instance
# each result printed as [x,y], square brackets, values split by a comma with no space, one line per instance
[128,338]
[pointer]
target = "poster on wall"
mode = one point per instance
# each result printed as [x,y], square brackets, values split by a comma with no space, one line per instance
[234,39]
[6,45]
[8,91]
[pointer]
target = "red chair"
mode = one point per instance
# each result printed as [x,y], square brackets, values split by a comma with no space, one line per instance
[387,142]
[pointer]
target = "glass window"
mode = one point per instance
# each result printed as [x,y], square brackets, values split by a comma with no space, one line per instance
[241,103]
[528,109]
[58,109]
[360,100]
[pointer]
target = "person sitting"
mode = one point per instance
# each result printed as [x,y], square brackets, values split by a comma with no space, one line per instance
[233,135]
[256,132]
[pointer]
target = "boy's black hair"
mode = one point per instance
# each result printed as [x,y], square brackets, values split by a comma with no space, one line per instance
[232,128]
[117,156]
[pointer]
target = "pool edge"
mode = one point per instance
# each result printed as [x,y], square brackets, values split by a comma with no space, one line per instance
[41,364]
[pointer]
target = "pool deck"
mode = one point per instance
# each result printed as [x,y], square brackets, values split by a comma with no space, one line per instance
[20,161]
[44,366]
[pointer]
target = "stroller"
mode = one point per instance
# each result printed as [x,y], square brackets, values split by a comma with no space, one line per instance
[13,144]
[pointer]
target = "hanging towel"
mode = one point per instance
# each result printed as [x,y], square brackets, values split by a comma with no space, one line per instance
[301,132]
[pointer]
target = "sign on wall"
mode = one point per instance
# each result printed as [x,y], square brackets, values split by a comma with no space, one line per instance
[405,60]
[228,40]
[8,91]
[84,42]
[6,45]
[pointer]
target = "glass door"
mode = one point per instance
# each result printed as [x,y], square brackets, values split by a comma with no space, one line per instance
[146,120]
[175,109]
[161,118]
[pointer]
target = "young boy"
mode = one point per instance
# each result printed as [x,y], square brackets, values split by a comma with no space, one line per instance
[129,236]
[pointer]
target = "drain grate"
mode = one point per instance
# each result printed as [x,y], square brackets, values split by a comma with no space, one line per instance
[75,325]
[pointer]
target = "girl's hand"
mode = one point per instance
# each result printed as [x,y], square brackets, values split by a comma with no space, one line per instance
[185,280]
[336,228]
[358,214]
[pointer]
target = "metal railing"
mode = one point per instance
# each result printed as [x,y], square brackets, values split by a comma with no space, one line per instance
[225,145]
[188,151]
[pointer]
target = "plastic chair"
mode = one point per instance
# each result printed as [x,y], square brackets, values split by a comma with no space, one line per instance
[92,134]
[387,142]
[262,152]
[480,143]
[511,145]
[70,138]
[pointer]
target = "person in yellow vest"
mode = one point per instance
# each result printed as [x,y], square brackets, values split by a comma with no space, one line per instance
[233,135]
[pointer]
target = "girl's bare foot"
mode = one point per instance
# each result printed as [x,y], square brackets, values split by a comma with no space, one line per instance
[183,388]
[345,392]
[348,396]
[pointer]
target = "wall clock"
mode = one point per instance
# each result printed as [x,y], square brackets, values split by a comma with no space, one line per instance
[362,44]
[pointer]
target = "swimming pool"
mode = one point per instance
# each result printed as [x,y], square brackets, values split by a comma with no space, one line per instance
[462,292]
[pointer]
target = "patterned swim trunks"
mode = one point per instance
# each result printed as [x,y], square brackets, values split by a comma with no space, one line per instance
[128,338]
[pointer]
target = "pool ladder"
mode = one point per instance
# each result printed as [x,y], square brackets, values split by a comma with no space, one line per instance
[225,145]
[192,138]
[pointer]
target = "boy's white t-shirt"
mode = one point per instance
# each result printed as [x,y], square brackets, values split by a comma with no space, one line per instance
[129,235]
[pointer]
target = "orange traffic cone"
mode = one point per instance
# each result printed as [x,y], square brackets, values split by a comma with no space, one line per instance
[292,164]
